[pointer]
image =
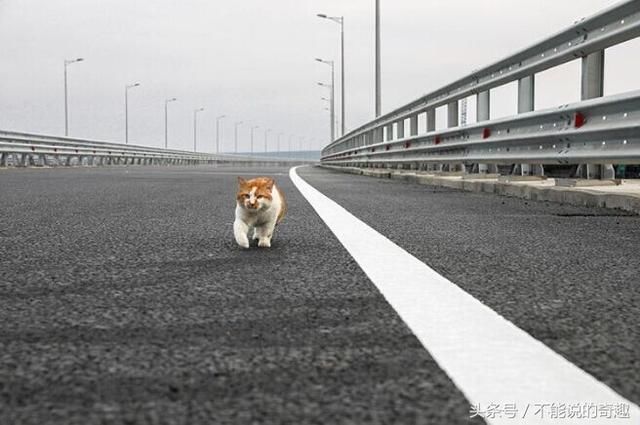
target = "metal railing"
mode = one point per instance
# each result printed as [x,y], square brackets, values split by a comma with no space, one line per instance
[570,134]
[26,149]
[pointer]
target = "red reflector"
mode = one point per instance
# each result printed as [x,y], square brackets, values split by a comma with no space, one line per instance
[373,150]
[437,140]
[388,147]
[579,120]
[33,149]
[407,145]
[76,150]
[486,132]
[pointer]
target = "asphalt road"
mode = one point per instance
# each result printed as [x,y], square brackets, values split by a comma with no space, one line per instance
[566,275]
[124,300]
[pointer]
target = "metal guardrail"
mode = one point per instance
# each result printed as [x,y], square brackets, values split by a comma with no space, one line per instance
[590,132]
[25,149]
[586,37]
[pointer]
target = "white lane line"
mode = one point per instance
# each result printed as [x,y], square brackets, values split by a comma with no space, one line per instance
[488,358]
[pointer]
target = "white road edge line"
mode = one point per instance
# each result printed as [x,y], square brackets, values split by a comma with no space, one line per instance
[487,357]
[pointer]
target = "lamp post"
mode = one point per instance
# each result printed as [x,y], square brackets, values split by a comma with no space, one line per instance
[218,118]
[266,132]
[126,110]
[166,113]
[67,62]
[339,20]
[253,128]
[331,111]
[332,97]
[378,79]
[195,127]
[235,138]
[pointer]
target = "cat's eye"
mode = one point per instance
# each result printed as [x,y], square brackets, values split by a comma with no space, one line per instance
[246,195]
[260,196]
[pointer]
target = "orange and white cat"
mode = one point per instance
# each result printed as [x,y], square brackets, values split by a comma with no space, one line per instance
[260,205]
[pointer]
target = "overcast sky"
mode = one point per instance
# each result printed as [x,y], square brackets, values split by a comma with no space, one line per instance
[253,60]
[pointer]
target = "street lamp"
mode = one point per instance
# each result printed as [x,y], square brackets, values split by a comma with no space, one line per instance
[331,106]
[126,110]
[236,135]
[218,118]
[166,133]
[195,127]
[266,132]
[66,94]
[339,20]
[378,82]
[253,128]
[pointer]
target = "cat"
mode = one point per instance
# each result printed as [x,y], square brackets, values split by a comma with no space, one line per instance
[259,204]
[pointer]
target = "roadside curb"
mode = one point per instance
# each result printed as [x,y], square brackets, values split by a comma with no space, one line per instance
[564,195]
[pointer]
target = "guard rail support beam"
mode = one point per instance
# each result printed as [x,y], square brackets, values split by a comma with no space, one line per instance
[592,86]
[483,112]
[413,125]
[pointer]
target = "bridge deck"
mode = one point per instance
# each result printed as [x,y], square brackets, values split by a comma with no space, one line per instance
[125,298]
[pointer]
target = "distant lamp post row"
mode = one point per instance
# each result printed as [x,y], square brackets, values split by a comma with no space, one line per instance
[127,87]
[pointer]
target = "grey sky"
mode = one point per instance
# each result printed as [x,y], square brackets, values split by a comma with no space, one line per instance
[253,60]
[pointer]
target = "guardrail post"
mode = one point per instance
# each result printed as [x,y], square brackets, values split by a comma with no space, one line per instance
[431,120]
[483,106]
[483,113]
[526,94]
[593,86]
[453,121]
[400,131]
[413,125]
[452,114]
[431,126]
[593,75]
[526,103]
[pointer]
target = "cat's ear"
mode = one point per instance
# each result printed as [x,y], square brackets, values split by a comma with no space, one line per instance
[241,181]
[270,183]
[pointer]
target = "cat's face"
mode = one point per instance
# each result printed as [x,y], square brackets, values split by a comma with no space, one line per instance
[254,194]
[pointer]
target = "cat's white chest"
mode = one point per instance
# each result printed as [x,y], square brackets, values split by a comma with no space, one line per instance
[265,216]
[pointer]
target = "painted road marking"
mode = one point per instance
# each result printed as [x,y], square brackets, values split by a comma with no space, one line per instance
[487,357]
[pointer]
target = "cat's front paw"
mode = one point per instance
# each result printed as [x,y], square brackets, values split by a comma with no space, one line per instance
[243,242]
[264,243]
